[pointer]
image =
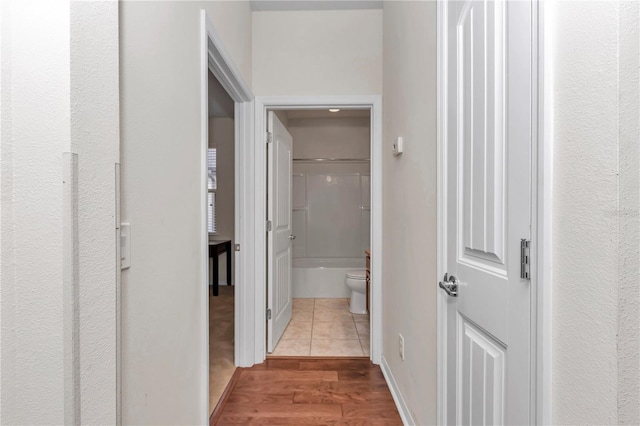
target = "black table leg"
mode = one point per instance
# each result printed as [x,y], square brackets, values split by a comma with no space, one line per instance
[229,263]
[215,273]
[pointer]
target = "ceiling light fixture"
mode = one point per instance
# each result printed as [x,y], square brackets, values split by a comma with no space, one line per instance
[334,109]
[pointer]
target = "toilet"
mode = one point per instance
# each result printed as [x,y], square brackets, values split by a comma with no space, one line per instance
[356,280]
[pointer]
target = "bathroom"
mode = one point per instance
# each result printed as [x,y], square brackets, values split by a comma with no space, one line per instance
[330,225]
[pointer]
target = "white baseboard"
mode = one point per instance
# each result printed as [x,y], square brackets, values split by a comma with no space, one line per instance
[403,409]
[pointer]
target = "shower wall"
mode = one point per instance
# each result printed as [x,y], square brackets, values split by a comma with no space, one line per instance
[331,203]
[331,210]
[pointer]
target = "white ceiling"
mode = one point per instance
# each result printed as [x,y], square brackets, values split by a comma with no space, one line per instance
[289,5]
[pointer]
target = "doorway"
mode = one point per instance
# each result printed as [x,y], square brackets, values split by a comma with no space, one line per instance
[221,238]
[319,216]
[298,107]
[226,228]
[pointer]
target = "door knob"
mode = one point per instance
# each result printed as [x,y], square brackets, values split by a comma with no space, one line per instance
[292,237]
[450,285]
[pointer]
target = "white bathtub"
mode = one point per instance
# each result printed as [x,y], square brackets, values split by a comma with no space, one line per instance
[322,278]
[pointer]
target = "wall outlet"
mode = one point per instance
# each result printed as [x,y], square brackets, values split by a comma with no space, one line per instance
[401,346]
[398,146]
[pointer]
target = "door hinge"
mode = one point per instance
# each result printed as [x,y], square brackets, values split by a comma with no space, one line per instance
[268,314]
[237,247]
[525,259]
[269,225]
[269,137]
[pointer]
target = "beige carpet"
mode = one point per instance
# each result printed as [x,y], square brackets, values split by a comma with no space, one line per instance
[221,365]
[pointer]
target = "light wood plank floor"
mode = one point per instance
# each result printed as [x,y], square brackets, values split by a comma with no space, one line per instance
[308,391]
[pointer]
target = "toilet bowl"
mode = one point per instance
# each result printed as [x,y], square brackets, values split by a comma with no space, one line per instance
[357,282]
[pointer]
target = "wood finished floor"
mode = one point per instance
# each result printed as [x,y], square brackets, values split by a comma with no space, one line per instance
[307,391]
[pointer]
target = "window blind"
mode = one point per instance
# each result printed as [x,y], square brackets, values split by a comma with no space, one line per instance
[211,186]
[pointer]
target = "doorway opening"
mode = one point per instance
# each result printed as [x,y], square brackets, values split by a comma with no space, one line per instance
[319,208]
[221,237]
[318,267]
[226,106]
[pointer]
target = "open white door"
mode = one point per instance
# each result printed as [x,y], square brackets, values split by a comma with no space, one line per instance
[279,238]
[489,108]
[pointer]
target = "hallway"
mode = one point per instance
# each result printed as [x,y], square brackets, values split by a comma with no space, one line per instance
[310,391]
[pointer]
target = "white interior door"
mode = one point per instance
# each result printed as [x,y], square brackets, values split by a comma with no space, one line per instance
[280,238]
[489,104]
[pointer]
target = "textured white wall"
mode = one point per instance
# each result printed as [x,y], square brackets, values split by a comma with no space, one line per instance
[629,215]
[409,199]
[59,94]
[595,213]
[35,133]
[161,198]
[95,137]
[317,53]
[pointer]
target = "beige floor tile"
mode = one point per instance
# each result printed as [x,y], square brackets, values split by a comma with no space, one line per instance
[328,314]
[336,348]
[298,330]
[341,304]
[303,304]
[292,348]
[331,330]
[365,346]
[363,329]
[302,315]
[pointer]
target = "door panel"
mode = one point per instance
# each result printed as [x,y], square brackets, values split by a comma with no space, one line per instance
[488,143]
[279,238]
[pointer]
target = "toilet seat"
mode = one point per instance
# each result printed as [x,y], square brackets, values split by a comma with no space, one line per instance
[357,274]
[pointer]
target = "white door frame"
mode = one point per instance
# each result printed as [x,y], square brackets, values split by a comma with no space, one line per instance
[541,203]
[214,58]
[317,102]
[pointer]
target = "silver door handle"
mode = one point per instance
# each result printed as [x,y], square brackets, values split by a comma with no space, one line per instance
[450,285]
[292,237]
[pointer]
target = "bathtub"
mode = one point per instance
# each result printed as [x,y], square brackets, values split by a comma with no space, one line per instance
[322,278]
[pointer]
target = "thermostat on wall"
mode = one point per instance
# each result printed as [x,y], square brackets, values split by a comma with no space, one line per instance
[398,146]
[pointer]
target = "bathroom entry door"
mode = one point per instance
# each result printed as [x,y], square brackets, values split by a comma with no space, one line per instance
[488,137]
[279,237]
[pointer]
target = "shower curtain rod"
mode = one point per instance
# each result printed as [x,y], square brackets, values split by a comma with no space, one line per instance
[350,160]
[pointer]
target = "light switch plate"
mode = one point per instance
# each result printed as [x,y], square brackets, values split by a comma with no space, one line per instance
[125,245]
[398,146]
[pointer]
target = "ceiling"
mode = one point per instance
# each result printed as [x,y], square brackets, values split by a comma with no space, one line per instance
[289,5]
[324,113]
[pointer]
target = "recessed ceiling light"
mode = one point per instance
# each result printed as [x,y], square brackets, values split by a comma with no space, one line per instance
[334,110]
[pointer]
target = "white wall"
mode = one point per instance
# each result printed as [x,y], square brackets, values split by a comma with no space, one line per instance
[409,198]
[161,198]
[348,137]
[59,94]
[629,208]
[95,137]
[595,213]
[317,53]
[35,86]
[232,21]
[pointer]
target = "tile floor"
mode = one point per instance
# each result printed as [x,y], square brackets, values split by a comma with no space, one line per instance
[324,327]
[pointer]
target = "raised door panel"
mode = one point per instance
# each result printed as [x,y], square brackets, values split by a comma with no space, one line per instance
[481,136]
